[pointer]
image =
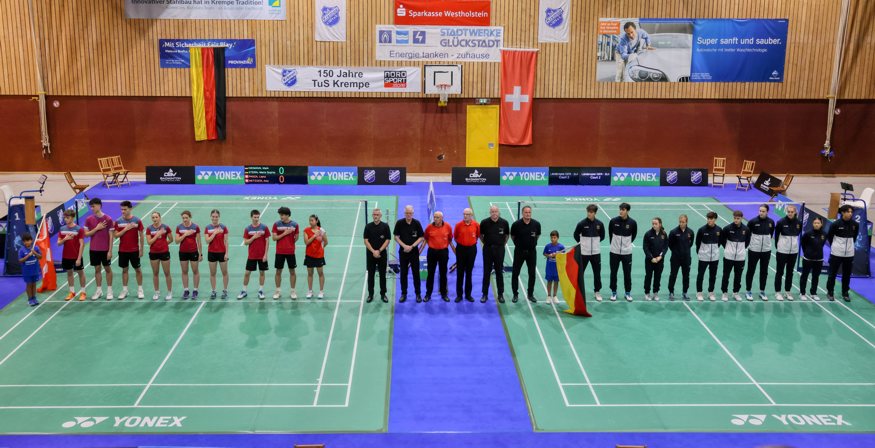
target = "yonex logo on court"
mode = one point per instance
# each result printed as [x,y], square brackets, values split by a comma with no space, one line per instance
[128,421]
[791,419]
[741,420]
[83,422]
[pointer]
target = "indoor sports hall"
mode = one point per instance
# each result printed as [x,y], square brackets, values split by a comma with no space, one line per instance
[437,223]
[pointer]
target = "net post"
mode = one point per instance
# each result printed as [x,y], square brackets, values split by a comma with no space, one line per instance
[367,211]
[519,209]
[800,215]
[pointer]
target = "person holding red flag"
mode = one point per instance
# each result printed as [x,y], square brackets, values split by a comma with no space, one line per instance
[47,264]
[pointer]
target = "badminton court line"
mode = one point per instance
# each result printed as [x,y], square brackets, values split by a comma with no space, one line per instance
[561,324]
[728,353]
[337,307]
[797,288]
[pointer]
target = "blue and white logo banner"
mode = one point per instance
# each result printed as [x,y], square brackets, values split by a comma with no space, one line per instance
[331,20]
[439,43]
[239,53]
[290,78]
[553,18]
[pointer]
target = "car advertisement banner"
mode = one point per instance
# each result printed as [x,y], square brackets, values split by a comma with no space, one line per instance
[691,50]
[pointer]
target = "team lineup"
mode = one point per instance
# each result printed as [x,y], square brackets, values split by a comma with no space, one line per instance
[744,245]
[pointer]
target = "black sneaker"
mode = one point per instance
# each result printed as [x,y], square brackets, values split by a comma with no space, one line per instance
[516,298]
[831,297]
[469,298]
[458,298]
[418,298]
[846,298]
[427,298]
[445,297]
[484,299]
[384,298]
[532,298]
[370,299]
[500,298]
[403,298]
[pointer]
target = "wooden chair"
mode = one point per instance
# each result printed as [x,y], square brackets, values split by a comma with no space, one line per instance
[77,188]
[120,170]
[781,189]
[719,169]
[744,178]
[109,175]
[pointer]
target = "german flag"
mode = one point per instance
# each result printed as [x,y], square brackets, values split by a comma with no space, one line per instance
[571,282]
[208,92]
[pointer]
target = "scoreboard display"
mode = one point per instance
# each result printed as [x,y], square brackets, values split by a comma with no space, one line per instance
[275,174]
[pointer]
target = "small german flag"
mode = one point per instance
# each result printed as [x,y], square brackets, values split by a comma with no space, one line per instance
[208,92]
[571,282]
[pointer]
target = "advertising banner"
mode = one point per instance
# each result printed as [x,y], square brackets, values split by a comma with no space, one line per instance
[635,177]
[476,175]
[564,175]
[197,9]
[683,177]
[169,174]
[239,53]
[447,12]
[275,174]
[333,175]
[764,181]
[526,176]
[344,79]
[691,50]
[595,175]
[219,175]
[375,175]
[439,43]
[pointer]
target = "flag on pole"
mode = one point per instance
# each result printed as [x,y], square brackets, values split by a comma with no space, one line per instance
[43,241]
[569,270]
[517,92]
[208,92]
[431,200]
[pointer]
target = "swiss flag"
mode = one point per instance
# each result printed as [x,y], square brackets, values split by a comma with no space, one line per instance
[517,92]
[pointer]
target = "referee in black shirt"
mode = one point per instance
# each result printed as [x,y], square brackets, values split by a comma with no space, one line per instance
[494,233]
[409,235]
[525,233]
[377,238]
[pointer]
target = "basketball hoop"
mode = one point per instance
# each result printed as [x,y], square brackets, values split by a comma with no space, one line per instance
[444,94]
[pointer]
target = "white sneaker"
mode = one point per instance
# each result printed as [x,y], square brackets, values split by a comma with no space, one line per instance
[736,296]
[310,294]
[628,297]
[598,297]
[156,296]
[788,295]
[260,295]
[700,297]
[815,297]
[803,297]
[763,296]
[321,295]
[243,294]
[124,294]
[647,297]
[712,297]
[725,297]
[140,293]
[656,297]
[97,294]
[779,297]
[294,295]
[277,294]
[109,294]
[613,297]
[169,296]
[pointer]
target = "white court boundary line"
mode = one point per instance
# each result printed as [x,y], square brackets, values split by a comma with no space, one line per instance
[170,353]
[561,323]
[337,307]
[631,405]
[796,287]
[717,340]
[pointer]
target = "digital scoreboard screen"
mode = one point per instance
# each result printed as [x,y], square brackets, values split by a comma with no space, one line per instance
[275,174]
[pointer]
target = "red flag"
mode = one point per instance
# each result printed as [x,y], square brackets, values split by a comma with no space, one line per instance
[43,241]
[516,93]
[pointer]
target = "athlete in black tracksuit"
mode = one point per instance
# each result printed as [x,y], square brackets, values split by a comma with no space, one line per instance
[680,240]
[708,252]
[759,252]
[655,247]
[735,238]
[812,243]
[842,235]
[787,232]
[589,234]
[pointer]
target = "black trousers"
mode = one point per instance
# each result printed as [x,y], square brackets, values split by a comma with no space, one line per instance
[711,266]
[410,260]
[845,264]
[596,262]
[754,259]
[437,259]
[684,268]
[813,268]
[615,261]
[730,266]
[465,256]
[376,265]
[493,259]
[786,264]
[652,271]
[530,258]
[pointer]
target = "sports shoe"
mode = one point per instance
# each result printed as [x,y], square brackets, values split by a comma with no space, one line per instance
[260,294]
[82,296]
[243,294]
[803,297]
[140,293]
[469,298]
[446,298]
[647,296]
[500,298]
[598,297]
[484,298]
[724,297]
[321,295]
[32,302]
[763,296]
[736,296]
[516,298]
[846,298]
[831,297]
[70,296]
[788,295]
[224,294]
[628,297]
[749,296]
[779,297]
[294,295]
[310,294]
[613,296]
[532,298]
[369,299]
[168,297]
[656,297]
[109,294]
[156,296]
[384,298]
[815,297]
[277,294]
[194,295]
[124,294]
[185,294]
[213,295]
[700,297]
[671,297]
[686,297]
[97,294]
[712,297]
